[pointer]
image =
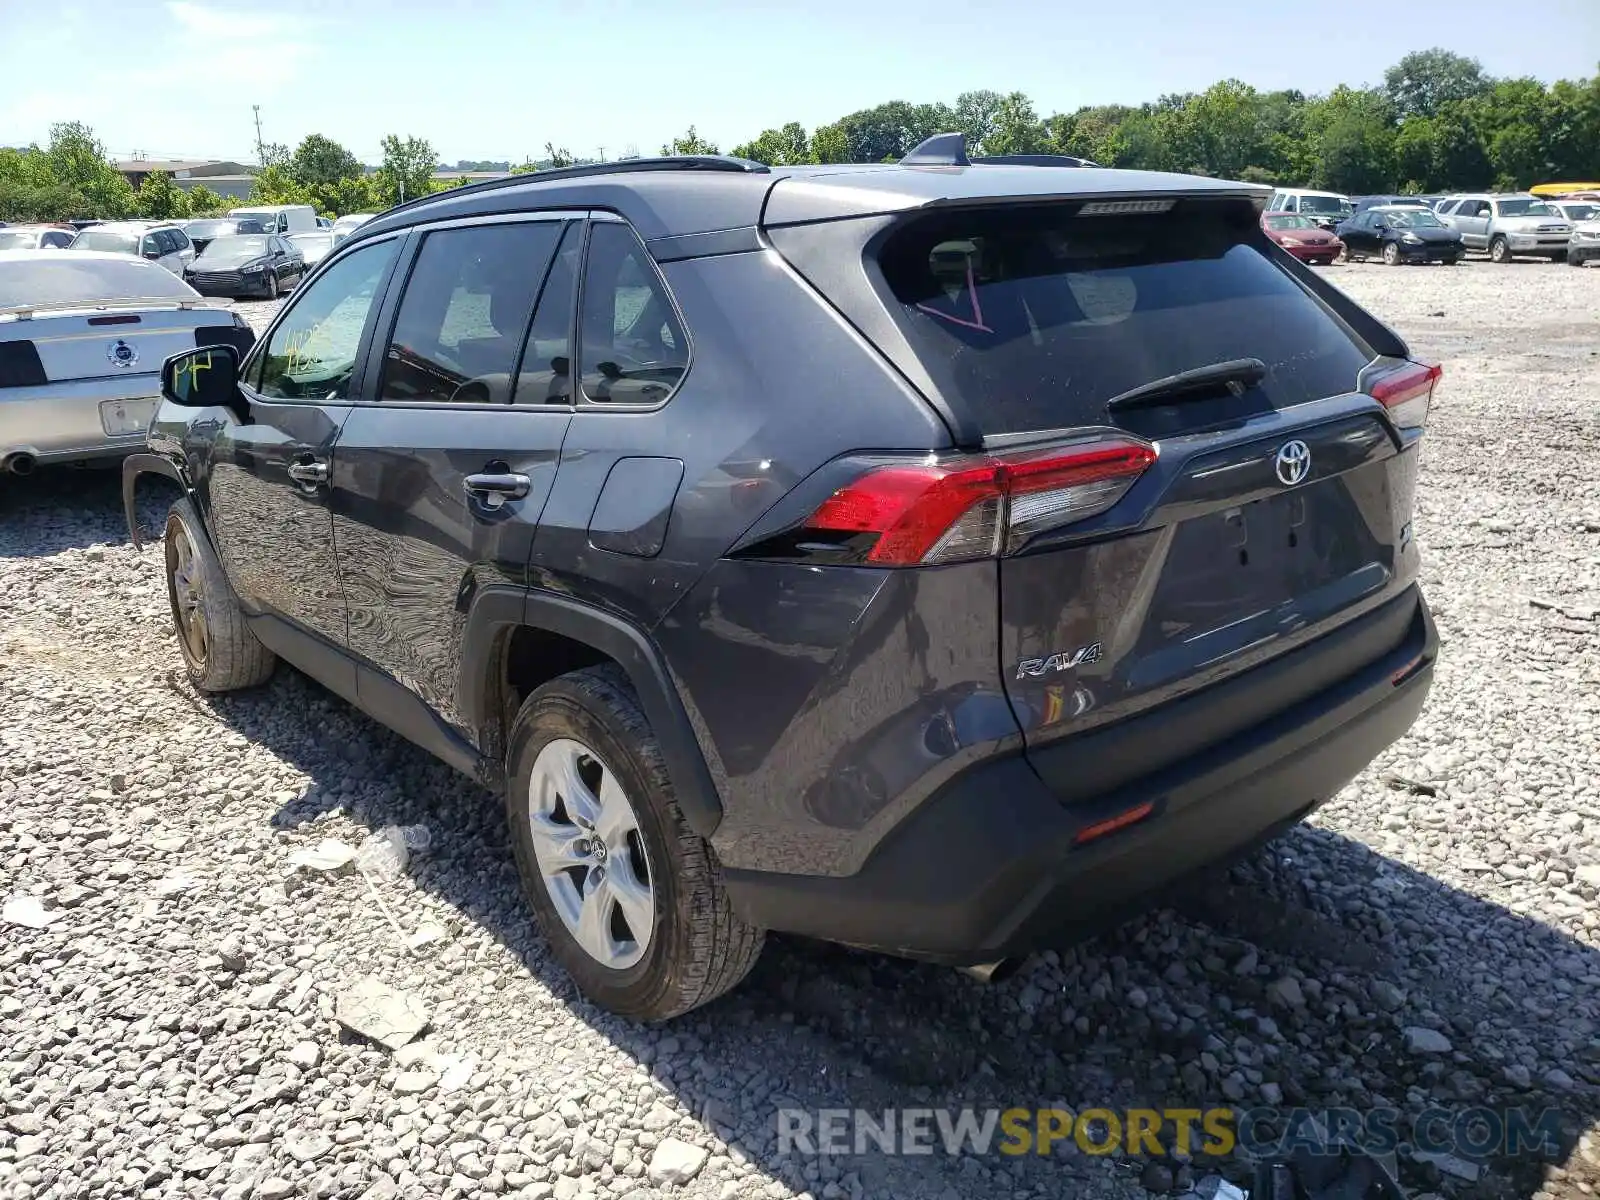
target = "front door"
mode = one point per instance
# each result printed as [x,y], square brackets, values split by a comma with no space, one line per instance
[440,478]
[268,478]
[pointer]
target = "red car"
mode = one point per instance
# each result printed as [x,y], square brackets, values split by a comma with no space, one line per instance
[1302,237]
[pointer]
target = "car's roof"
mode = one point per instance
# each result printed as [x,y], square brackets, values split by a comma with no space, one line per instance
[1398,208]
[663,202]
[1288,191]
[133,226]
[39,225]
[59,256]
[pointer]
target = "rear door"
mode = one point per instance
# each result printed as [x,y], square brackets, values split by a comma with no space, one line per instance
[1472,219]
[1245,517]
[441,476]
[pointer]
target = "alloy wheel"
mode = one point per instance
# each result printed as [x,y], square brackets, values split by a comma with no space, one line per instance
[187,593]
[591,854]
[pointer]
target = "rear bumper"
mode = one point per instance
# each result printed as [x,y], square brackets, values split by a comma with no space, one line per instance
[989,867]
[62,422]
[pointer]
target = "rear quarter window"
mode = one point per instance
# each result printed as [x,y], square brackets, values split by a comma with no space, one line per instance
[1036,317]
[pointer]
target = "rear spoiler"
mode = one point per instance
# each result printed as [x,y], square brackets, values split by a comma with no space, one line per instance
[26,312]
[950,150]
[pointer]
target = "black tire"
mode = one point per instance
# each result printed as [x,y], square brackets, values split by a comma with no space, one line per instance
[224,656]
[1499,250]
[272,285]
[1574,261]
[1451,262]
[697,949]
[1558,258]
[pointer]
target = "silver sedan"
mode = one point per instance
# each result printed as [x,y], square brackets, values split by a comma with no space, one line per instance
[82,339]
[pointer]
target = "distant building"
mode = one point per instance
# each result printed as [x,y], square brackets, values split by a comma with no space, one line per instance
[225,178]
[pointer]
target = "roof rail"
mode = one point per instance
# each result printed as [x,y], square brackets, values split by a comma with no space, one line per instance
[950,150]
[677,162]
[941,150]
[1031,160]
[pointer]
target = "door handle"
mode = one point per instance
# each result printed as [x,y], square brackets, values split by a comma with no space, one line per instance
[312,471]
[498,486]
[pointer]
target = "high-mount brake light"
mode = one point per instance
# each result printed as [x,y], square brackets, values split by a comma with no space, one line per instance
[1118,208]
[1407,391]
[980,506]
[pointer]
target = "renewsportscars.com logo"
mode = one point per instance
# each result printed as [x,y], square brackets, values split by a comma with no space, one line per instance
[1472,1133]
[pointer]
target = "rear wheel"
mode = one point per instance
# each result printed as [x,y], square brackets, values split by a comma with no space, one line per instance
[219,651]
[1391,254]
[630,898]
[1500,250]
[272,285]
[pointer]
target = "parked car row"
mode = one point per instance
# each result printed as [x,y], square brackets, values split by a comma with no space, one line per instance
[1401,229]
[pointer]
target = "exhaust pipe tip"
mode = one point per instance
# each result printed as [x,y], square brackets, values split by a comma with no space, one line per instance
[994,972]
[20,463]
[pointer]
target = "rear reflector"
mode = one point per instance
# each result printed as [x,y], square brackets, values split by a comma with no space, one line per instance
[1407,392]
[1111,824]
[976,507]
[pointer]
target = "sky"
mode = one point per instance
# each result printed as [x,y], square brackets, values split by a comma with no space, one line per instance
[497,79]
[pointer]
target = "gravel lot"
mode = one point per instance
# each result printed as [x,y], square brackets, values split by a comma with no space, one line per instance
[1433,939]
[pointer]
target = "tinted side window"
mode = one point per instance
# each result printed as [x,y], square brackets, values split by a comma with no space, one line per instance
[634,350]
[311,354]
[464,313]
[546,375]
[149,244]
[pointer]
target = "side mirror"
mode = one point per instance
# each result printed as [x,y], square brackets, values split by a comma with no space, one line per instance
[206,377]
[152,254]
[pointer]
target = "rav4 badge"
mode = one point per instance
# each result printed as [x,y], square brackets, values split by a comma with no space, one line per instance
[1060,661]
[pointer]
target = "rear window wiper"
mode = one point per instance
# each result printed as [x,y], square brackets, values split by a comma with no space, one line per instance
[1234,376]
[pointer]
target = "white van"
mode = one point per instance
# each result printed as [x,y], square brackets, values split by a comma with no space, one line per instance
[1325,208]
[281,218]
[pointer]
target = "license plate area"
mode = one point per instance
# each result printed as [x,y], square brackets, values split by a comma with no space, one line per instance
[121,418]
[1237,562]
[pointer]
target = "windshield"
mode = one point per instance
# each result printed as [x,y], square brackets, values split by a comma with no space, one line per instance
[1037,318]
[40,283]
[1525,208]
[267,220]
[209,229]
[1327,205]
[312,241]
[235,247]
[1290,221]
[1413,218]
[111,243]
[19,239]
[1575,212]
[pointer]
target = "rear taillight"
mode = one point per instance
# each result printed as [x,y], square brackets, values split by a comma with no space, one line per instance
[975,507]
[1407,391]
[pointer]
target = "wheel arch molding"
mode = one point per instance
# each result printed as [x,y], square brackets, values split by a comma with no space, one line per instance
[145,463]
[496,613]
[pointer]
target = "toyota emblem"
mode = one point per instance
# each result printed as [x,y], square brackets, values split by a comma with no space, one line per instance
[1293,462]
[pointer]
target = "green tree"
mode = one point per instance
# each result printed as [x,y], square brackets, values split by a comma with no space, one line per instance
[778,147]
[1424,81]
[319,160]
[689,143]
[830,144]
[1016,128]
[1354,134]
[76,160]
[1221,130]
[275,185]
[161,199]
[977,116]
[407,170]
[203,202]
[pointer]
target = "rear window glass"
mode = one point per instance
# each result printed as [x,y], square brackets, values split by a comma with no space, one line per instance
[40,283]
[1036,317]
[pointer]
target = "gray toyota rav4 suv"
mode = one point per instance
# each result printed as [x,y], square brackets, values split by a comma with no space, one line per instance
[934,557]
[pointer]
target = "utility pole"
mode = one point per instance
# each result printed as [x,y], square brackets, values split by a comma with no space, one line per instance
[261,152]
[602,154]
